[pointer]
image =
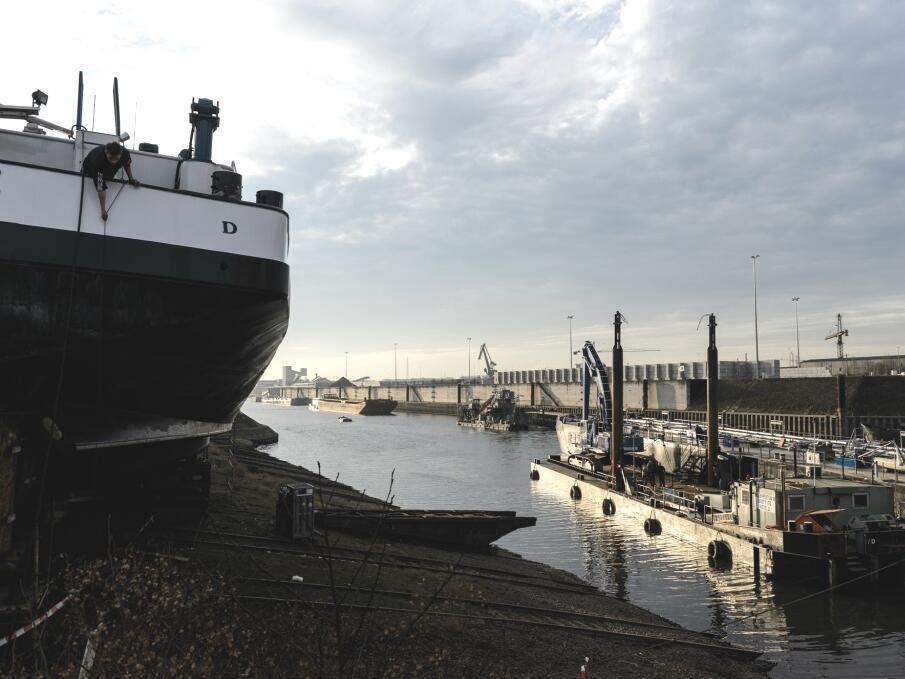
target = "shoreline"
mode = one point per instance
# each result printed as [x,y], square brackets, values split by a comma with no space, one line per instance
[555,650]
[219,592]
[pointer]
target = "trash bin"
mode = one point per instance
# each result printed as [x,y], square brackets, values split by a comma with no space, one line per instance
[295,511]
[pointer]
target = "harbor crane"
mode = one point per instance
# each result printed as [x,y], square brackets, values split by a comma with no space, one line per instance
[838,335]
[490,368]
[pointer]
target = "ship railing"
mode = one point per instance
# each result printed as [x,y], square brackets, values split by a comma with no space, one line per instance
[721,517]
[669,498]
[608,479]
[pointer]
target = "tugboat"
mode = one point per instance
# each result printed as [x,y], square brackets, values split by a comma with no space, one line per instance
[135,338]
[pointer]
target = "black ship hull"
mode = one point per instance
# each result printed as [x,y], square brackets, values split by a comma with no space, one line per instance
[132,341]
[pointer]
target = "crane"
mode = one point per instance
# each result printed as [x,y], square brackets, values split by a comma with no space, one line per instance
[490,368]
[595,370]
[838,335]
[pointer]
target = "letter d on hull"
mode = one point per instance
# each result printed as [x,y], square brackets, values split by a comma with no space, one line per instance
[229,227]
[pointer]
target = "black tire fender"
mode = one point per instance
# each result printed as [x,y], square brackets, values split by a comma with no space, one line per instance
[719,551]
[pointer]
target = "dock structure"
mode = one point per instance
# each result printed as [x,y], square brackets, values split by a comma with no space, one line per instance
[804,526]
[787,521]
[824,407]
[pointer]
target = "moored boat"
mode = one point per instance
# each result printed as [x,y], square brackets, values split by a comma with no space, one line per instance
[366,406]
[500,412]
[471,529]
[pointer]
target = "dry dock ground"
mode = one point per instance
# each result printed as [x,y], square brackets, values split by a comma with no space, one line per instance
[225,595]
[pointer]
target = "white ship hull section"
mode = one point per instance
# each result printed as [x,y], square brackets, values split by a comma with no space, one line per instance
[48,199]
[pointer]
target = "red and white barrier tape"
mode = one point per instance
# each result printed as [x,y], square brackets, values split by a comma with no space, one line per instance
[34,623]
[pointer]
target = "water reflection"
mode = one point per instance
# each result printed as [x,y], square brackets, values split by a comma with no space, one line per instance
[842,634]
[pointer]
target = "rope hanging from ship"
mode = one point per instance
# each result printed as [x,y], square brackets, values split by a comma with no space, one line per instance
[52,431]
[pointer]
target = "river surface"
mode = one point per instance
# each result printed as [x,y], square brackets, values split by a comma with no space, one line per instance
[427,462]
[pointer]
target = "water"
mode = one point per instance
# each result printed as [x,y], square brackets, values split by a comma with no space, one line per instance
[439,465]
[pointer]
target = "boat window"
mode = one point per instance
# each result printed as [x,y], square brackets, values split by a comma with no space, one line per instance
[746,497]
[859,500]
[824,521]
[796,503]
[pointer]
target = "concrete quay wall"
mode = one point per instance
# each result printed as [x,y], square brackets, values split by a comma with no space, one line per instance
[811,407]
[637,395]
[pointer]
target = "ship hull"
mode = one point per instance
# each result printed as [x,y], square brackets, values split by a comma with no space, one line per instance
[460,528]
[139,340]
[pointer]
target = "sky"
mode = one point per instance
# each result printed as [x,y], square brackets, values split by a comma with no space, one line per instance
[485,169]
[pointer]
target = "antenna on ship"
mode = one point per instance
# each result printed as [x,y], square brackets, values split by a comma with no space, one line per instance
[116,104]
[78,110]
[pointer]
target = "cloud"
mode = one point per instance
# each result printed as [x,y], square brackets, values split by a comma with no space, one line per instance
[486,168]
[635,158]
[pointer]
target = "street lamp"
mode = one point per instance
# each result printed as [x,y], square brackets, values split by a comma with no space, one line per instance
[570,341]
[347,365]
[756,344]
[797,340]
[395,371]
[468,339]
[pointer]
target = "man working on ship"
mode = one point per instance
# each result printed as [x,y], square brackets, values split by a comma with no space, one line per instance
[101,164]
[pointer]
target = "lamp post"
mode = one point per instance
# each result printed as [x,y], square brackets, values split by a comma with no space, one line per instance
[756,343]
[797,340]
[468,339]
[570,341]
[347,365]
[395,370]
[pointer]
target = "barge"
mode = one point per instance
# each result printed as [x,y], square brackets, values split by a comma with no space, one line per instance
[500,412]
[365,406]
[132,331]
[287,401]
[789,522]
[166,313]
[464,529]
[807,529]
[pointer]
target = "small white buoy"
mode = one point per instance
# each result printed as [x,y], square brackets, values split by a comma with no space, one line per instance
[298,579]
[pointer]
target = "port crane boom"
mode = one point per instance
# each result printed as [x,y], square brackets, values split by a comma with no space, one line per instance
[490,368]
[838,335]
